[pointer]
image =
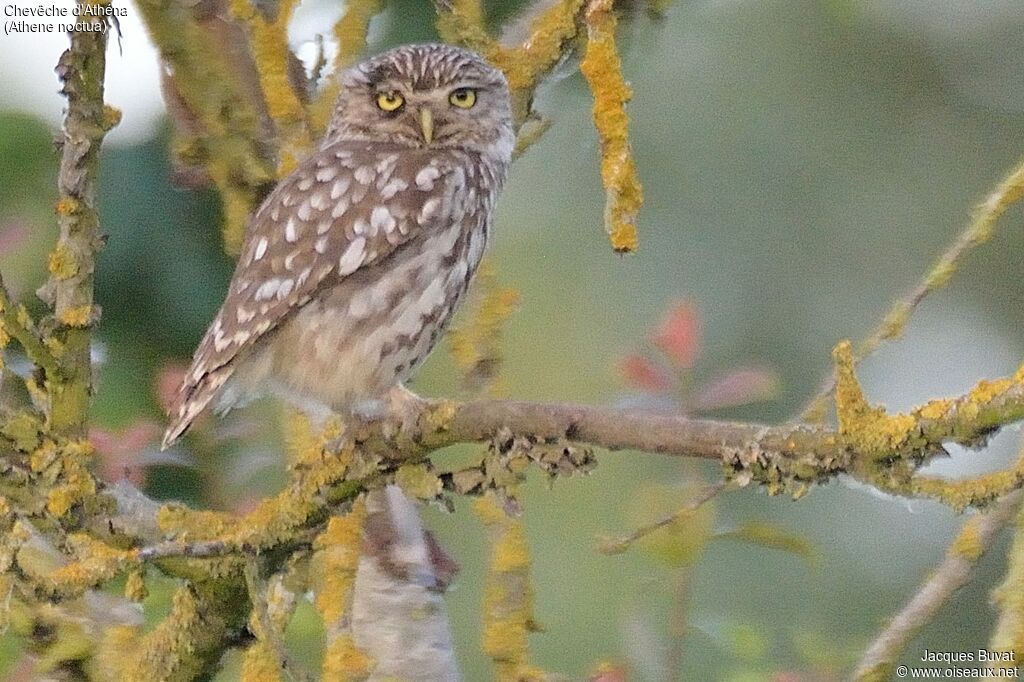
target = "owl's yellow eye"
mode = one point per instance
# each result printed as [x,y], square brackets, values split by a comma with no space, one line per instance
[463,98]
[390,101]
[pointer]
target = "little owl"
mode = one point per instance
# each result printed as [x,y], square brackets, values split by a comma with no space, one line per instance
[353,265]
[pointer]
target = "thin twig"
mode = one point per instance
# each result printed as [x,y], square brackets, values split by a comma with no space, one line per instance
[216,548]
[977,232]
[267,632]
[952,574]
[11,322]
[622,543]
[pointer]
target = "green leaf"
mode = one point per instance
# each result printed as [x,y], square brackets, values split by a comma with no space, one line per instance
[773,537]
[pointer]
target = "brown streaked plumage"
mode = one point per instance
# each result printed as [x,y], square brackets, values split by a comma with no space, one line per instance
[353,265]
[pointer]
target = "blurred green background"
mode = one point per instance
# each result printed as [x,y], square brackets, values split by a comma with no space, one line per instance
[804,162]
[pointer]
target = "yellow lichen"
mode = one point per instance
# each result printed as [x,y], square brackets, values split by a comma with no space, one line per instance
[268,42]
[1008,635]
[968,544]
[62,264]
[335,562]
[97,563]
[934,409]
[79,316]
[985,391]
[418,481]
[23,430]
[508,594]
[525,64]
[111,116]
[108,662]
[259,664]
[864,427]
[602,68]
[66,206]
[332,579]
[77,486]
[135,586]
[977,491]
[344,662]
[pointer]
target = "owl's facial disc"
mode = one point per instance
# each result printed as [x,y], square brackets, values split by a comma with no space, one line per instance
[436,96]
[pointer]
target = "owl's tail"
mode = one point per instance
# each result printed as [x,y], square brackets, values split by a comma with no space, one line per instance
[192,399]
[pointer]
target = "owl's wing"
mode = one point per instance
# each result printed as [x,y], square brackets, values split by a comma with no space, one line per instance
[344,208]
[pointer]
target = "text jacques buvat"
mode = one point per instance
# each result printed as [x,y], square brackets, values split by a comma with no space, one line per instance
[56,19]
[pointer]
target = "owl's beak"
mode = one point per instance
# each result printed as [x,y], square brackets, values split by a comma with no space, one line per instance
[427,124]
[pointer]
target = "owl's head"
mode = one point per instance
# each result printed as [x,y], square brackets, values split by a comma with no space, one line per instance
[423,96]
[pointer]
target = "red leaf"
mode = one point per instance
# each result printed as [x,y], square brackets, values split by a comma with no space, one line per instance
[678,335]
[641,373]
[740,387]
[118,453]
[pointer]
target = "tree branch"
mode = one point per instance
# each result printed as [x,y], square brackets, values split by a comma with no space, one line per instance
[70,288]
[16,324]
[952,574]
[977,232]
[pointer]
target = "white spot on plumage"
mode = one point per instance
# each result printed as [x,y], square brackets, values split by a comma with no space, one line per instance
[319,200]
[291,232]
[243,315]
[339,208]
[267,290]
[392,188]
[261,248]
[286,288]
[381,219]
[353,257]
[364,175]
[339,187]
[321,245]
[429,210]
[386,163]
[360,227]
[324,227]
[326,174]
[303,276]
[305,211]
[426,176]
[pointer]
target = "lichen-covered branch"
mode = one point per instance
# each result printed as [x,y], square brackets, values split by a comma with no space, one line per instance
[1008,634]
[508,595]
[877,663]
[981,228]
[16,323]
[334,568]
[70,288]
[603,70]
